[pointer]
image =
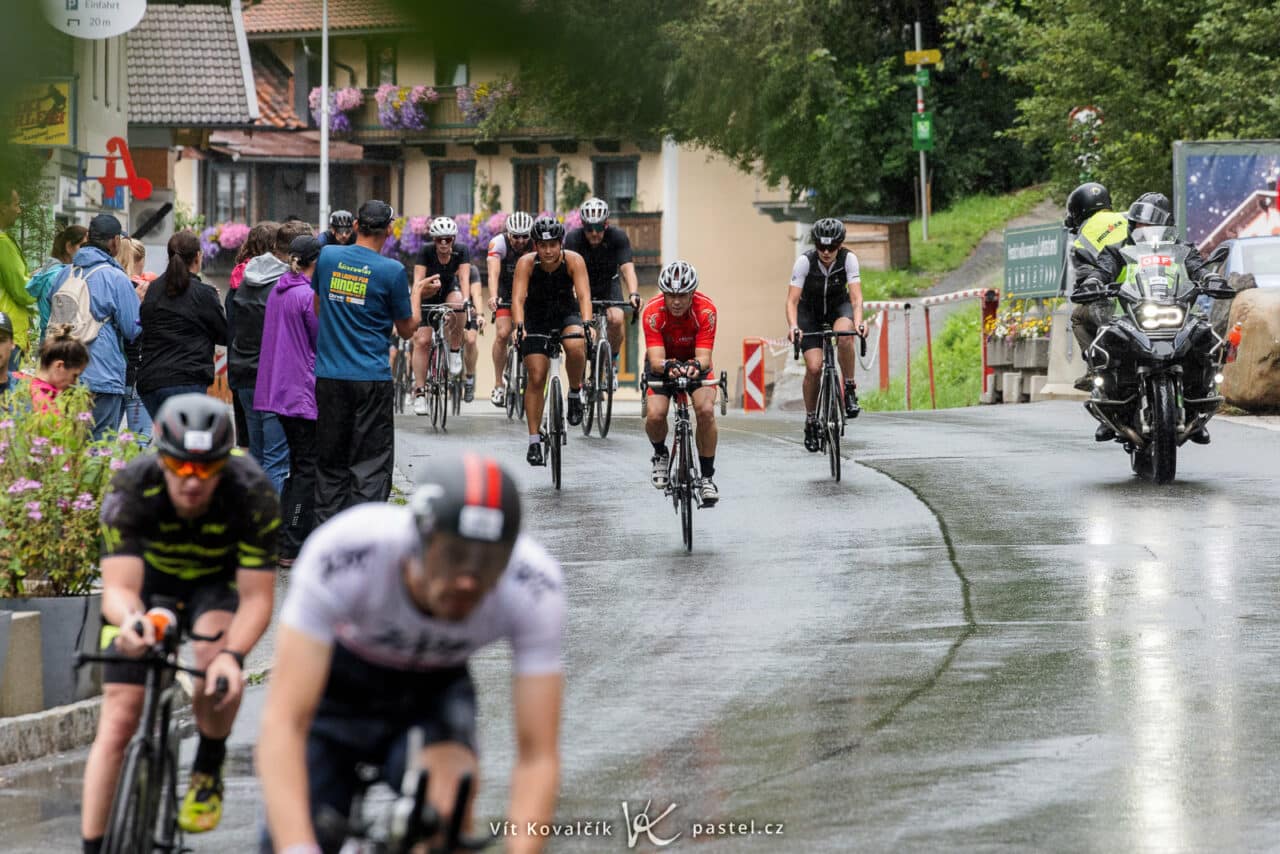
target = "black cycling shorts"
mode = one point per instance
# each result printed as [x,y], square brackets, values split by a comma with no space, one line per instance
[535,345]
[611,291]
[216,596]
[442,294]
[807,320]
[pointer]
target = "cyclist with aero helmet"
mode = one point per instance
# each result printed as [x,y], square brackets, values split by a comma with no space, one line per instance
[679,335]
[606,250]
[342,230]
[504,251]
[826,290]
[196,522]
[445,276]
[386,606]
[550,292]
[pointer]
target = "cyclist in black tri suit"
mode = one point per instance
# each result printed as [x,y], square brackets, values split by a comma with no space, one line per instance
[550,292]
[196,522]
[443,267]
[504,251]
[606,249]
[826,289]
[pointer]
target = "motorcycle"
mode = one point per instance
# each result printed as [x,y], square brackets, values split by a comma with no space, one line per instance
[1158,346]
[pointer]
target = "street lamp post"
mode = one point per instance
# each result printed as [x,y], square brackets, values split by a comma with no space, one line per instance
[324,116]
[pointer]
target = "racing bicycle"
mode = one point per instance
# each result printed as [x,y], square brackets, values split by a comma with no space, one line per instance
[444,391]
[553,432]
[831,417]
[601,373]
[402,373]
[684,478]
[512,374]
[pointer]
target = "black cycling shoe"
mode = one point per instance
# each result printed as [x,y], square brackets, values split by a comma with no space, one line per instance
[1103,433]
[812,443]
[851,407]
[1200,437]
[575,411]
[534,456]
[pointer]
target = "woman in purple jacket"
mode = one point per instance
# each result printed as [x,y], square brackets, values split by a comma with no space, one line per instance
[287,387]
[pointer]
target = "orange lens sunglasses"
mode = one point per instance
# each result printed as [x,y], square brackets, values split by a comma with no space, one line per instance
[192,468]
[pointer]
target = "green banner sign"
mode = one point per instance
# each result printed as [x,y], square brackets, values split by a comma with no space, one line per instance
[922,131]
[922,77]
[1033,258]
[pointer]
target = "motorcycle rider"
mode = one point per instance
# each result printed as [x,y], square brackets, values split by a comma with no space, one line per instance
[1094,275]
[1096,226]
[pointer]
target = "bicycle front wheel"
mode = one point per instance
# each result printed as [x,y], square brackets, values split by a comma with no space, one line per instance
[511,381]
[834,425]
[133,810]
[687,485]
[604,388]
[556,402]
[590,391]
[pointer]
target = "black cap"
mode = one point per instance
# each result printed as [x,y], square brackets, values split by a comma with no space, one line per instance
[375,215]
[104,227]
[305,248]
[6,326]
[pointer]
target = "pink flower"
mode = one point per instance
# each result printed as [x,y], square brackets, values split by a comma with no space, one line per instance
[86,417]
[6,424]
[66,466]
[22,485]
[33,511]
[57,450]
[84,501]
[63,504]
[126,437]
[116,465]
[39,441]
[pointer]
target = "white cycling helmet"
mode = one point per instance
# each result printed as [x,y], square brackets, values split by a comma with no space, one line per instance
[519,224]
[594,211]
[442,226]
[678,277]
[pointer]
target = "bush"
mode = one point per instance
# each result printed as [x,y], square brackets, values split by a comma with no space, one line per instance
[957,362]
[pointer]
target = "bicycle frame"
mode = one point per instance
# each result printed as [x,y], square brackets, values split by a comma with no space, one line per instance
[552,427]
[830,409]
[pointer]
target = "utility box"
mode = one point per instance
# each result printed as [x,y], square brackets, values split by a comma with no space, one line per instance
[880,242]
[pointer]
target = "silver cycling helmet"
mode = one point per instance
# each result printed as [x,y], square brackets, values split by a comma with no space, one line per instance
[594,211]
[519,224]
[442,226]
[678,277]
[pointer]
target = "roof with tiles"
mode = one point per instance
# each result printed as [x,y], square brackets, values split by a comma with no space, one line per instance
[302,16]
[187,68]
[274,83]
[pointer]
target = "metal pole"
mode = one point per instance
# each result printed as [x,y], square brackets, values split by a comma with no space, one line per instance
[323,220]
[928,343]
[924,187]
[906,327]
[884,349]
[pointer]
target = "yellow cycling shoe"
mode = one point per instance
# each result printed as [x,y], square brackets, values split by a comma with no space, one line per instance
[202,807]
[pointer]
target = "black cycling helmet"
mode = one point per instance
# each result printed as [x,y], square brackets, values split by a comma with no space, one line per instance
[827,232]
[470,496]
[1151,209]
[1085,201]
[194,427]
[341,219]
[6,326]
[547,228]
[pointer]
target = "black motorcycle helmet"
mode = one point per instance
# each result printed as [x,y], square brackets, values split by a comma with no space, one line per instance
[470,496]
[1085,201]
[194,427]
[1150,209]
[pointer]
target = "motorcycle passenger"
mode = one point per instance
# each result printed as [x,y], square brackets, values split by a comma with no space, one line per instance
[1096,226]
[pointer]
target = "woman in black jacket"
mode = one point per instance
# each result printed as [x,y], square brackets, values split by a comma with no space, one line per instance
[183,320]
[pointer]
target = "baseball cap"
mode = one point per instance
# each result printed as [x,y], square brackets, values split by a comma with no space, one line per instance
[375,215]
[6,326]
[104,227]
[305,248]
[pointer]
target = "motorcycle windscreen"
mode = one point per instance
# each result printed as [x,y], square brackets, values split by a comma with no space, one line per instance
[1155,269]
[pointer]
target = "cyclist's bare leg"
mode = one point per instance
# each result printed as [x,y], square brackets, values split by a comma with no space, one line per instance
[470,352]
[614,319]
[213,723]
[844,349]
[812,375]
[421,352]
[535,370]
[456,321]
[655,419]
[704,408]
[117,723]
[448,761]
[575,355]
[502,334]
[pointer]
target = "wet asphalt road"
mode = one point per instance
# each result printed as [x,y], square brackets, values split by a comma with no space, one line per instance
[989,637]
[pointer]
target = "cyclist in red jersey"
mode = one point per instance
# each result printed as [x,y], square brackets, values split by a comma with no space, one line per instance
[679,334]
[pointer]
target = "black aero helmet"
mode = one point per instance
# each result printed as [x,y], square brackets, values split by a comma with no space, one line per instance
[547,228]
[341,219]
[1151,209]
[1087,200]
[194,427]
[470,496]
[827,232]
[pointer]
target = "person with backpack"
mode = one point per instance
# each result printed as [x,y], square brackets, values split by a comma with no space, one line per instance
[65,245]
[95,296]
[14,298]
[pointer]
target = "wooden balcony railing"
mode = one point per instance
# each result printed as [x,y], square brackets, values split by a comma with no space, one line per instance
[645,231]
[445,123]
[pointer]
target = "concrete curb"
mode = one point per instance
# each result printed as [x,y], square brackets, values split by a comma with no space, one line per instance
[63,728]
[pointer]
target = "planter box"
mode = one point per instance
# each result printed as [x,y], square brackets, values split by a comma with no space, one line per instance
[1031,354]
[6,617]
[999,353]
[61,618]
[22,691]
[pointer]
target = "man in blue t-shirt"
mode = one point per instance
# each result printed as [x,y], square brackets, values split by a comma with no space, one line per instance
[360,296]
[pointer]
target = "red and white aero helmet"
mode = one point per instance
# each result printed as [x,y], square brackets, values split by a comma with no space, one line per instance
[678,277]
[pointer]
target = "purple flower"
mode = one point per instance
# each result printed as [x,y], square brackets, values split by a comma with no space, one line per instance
[4,446]
[126,437]
[57,450]
[6,424]
[63,504]
[66,466]
[84,501]
[39,441]
[86,417]
[22,485]
[33,511]
[116,465]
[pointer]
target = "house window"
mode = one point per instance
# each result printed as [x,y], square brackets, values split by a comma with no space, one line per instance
[382,62]
[453,188]
[451,67]
[535,188]
[615,182]
[231,194]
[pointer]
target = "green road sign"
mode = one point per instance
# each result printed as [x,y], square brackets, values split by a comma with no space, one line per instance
[922,77]
[922,131]
[1033,259]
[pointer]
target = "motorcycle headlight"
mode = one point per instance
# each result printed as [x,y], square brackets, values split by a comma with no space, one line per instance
[1154,316]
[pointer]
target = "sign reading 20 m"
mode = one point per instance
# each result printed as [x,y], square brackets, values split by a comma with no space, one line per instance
[94,19]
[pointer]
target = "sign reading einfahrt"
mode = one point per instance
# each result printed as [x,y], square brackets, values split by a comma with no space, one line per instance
[94,19]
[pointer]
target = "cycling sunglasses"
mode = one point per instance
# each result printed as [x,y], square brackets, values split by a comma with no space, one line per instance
[200,469]
[835,247]
[444,240]
[597,228]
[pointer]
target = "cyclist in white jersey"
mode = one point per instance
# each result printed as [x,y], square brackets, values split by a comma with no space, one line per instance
[385,607]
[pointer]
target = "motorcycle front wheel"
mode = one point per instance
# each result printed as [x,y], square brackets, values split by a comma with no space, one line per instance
[1164,430]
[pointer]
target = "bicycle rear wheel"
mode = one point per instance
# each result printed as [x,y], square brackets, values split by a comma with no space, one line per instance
[555,401]
[686,492]
[433,357]
[511,382]
[590,392]
[521,382]
[133,809]
[604,388]
[834,425]
[398,382]
[167,823]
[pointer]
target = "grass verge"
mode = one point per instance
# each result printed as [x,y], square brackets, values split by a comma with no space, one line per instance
[953,234]
[957,364]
